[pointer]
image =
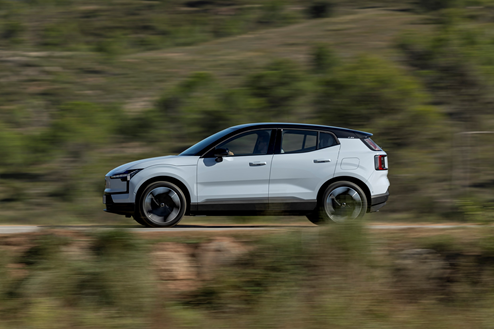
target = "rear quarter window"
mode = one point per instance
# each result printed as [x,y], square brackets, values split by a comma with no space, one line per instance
[326,140]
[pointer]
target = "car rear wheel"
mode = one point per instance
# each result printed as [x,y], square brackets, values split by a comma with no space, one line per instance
[341,201]
[162,204]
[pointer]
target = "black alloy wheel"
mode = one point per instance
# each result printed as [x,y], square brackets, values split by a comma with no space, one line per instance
[162,204]
[341,201]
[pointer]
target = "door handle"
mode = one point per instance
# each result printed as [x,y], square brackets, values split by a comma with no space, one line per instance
[322,160]
[257,163]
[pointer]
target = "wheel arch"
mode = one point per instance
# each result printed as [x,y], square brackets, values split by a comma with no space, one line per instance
[169,179]
[354,180]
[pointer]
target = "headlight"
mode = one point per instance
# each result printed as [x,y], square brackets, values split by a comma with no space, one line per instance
[126,175]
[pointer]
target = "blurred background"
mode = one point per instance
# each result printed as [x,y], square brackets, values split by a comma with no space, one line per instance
[88,85]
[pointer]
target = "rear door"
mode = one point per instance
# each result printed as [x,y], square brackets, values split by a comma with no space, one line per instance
[303,161]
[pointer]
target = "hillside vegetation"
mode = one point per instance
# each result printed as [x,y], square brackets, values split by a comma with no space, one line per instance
[86,86]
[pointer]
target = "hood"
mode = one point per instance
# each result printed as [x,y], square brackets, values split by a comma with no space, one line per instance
[169,160]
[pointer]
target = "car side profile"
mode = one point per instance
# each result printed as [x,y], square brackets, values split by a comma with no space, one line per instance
[328,174]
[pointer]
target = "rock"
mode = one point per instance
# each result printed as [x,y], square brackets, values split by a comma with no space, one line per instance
[181,267]
[17,271]
[216,253]
[175,266]
[17,244]
[77,250]
[421,271]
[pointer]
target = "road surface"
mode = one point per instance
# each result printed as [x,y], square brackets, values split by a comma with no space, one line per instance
[11,229]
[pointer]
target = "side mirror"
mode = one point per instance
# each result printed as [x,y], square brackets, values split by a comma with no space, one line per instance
[220,153]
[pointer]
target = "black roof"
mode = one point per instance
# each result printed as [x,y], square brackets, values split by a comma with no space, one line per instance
[339,132]
[207,143]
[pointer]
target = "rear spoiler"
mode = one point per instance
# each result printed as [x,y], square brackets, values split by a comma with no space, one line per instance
[349,133]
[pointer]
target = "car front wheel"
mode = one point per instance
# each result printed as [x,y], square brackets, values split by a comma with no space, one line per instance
[341,201]
[162,204]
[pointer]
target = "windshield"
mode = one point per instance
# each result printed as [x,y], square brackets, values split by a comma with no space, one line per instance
[196,148]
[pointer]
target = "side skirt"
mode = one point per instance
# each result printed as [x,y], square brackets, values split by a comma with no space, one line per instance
[253,209]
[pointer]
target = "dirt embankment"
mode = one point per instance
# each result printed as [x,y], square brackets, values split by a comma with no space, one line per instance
[421,260]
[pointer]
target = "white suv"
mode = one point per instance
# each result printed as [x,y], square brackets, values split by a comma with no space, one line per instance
[328,174]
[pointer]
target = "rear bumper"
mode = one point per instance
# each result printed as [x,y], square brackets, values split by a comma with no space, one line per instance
[118,208]
[378,201]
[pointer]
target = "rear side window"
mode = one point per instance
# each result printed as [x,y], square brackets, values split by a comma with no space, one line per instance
[298,141]
[326,140]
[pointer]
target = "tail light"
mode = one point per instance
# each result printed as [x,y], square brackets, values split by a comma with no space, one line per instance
[381,162]
[371,144]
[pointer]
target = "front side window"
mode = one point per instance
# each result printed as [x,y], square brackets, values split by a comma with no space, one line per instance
[298,141]
[249,143]
[197,148]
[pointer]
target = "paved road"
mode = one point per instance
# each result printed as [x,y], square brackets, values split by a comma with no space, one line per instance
[11,229]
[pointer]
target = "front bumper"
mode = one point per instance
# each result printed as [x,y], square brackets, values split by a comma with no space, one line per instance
[118,208]
[378,201]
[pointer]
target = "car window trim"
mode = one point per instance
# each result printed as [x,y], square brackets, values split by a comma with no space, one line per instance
[272,140]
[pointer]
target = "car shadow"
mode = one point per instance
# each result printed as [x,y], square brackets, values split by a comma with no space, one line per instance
[240,226]
[90,226]
[194,226]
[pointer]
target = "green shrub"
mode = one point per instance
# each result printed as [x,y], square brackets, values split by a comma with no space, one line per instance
[60,34]
[275,263]
[272,12]
[111,285]
[441,243]
[486,243]
[110,47]
[46,247]
[115,242]
[138,126]
[395,130]
[12,31]
[476,211]
[194,107]
[323,59]
[349,241]
[432,5]
[241,106]
[368,88]
[13,146]
[456,64]
[277,88]
[320,9]
[79,125]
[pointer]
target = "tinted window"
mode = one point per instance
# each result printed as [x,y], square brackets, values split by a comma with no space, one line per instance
[250,143]
[297,141]
[326,140]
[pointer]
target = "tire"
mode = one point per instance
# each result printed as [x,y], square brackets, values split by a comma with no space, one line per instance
[138,219]
[161,204]
[341,201]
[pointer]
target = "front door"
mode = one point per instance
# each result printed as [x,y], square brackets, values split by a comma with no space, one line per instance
[239,182]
